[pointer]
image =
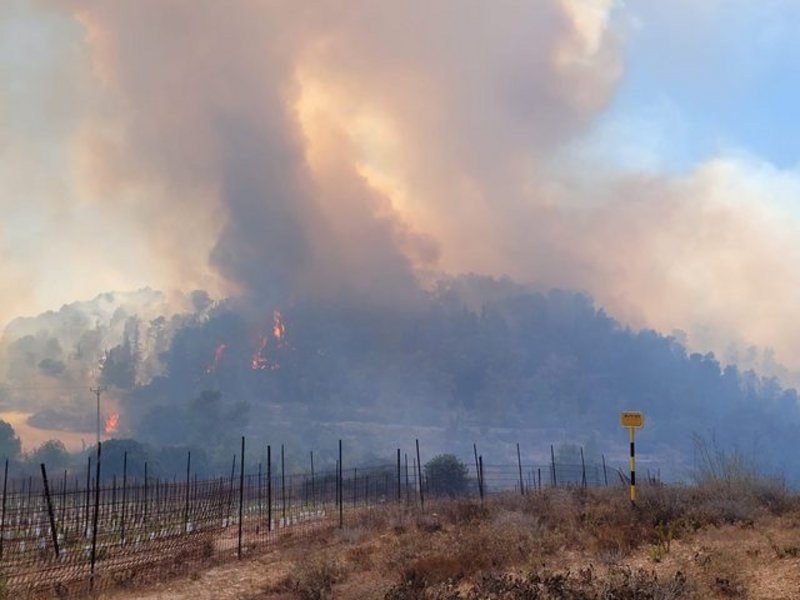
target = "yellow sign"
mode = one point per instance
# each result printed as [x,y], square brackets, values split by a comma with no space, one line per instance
[631,419]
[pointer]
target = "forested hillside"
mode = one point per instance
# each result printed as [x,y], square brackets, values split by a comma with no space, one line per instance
[474,357]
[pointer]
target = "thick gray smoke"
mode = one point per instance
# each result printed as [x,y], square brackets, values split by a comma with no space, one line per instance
[296,149]
[277,131]
[203,97]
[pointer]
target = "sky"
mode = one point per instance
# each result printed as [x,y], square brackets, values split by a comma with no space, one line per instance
[643,152]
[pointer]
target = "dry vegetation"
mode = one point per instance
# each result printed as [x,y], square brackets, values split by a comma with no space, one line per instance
[720,539]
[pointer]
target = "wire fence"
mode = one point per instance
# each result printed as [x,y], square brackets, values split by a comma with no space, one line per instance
[61,537]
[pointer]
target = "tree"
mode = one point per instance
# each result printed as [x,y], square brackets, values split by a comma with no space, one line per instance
[446,475]
[119,363]
[53,454]
[113,457]
[10,445]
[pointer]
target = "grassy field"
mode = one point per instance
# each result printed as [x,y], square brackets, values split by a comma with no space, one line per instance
[720,539]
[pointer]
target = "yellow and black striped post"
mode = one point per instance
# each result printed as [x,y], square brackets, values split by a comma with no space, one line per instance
[632,431]
[632,421]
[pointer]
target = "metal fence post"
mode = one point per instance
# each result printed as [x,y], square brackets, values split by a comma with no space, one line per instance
[3,514]
[124,495]
[419,473]
[186,498]
[583,470]
[260,512]
[313,486]
[283,487]
[64,499]
[230,492]
[241,500]
[145,492]
[88,491]
[408,481]
[269,488]
[480,477]
[399,498]
[96,515]
[341,495]
[53,530]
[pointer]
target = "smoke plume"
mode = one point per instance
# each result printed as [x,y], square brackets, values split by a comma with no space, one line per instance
[287,149]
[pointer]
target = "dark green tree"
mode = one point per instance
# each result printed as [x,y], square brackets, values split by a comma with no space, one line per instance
[10,444]
[53,454]
[114,455]
[446,475]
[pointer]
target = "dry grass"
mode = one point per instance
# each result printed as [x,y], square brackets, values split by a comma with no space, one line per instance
[594,543]
[721,539]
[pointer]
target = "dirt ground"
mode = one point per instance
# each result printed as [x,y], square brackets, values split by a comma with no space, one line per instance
[756,559]
[232,580]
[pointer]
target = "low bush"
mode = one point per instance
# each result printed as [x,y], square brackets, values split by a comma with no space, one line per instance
[314,578]
[618,584]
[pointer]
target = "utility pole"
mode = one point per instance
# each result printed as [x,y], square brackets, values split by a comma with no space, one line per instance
[97,391]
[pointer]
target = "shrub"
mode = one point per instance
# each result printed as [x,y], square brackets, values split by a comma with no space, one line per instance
[446,476]
[620,583]
[314,579]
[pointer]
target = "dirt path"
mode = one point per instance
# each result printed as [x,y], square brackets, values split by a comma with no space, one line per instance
[234,580]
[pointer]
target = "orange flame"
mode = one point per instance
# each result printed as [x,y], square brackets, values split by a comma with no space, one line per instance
[218,354]
[112,422]
[278,328]
[259,361]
